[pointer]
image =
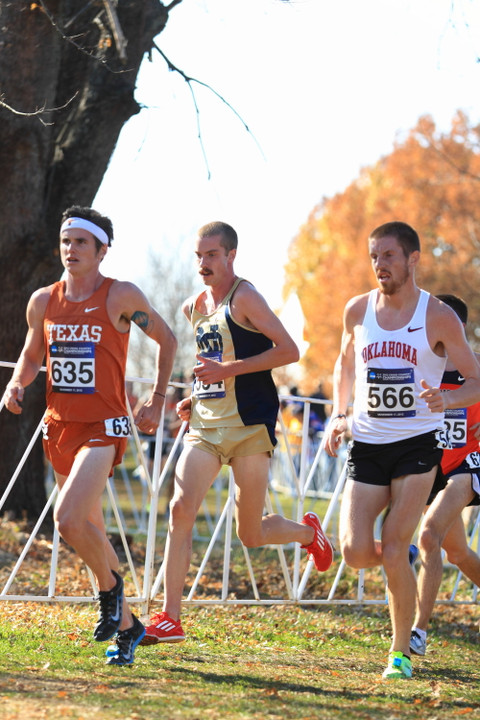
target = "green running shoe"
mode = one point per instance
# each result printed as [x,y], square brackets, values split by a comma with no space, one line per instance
[399,666]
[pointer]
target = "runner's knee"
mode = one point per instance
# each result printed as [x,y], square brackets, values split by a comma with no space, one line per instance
[181,512]
[251,537]
[354,555]
[394,552]
[68,524]
[429,540]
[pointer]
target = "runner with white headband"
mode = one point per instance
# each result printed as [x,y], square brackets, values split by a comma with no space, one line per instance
[82,325]
[72,223]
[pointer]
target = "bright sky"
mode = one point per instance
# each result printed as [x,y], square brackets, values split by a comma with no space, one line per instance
[325,88]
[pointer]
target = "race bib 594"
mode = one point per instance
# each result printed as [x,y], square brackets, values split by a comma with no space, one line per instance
[202,390]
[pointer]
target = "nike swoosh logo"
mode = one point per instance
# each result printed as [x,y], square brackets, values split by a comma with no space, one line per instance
[460,379]
[414,329]
[90,309]
[116,617]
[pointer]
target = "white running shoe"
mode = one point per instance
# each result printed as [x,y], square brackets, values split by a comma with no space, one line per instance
[417,644]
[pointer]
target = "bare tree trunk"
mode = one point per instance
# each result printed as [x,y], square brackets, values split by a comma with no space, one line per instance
[58,58]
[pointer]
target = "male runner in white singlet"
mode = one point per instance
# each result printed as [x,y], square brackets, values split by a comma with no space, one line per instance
[394,347]
[232,414]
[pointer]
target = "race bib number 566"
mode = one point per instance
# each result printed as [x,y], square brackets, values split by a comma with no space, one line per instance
[391,393]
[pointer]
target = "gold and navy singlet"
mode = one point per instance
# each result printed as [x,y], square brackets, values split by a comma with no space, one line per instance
[248,399]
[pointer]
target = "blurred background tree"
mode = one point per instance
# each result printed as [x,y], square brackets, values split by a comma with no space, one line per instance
[67,87]
[431,180]
[67,80]
[170,281]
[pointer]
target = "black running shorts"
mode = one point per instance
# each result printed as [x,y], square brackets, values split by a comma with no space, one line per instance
[379,464]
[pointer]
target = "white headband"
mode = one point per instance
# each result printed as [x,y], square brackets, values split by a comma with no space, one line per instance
[72,223]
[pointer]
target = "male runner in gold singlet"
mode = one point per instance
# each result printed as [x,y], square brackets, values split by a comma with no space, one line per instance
[232,414]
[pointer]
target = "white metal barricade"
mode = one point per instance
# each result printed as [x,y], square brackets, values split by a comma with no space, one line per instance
[302,482]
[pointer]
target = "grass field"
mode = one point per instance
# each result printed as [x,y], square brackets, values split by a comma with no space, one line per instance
[237,663]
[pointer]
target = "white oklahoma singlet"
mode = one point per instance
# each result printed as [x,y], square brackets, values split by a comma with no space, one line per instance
[389,365]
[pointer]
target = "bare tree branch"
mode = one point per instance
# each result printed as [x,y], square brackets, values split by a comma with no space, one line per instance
[190,80]
[70,38]
[36,113]
[172,4]
[117,31]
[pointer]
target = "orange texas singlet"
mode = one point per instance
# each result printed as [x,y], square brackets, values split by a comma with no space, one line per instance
[86,358]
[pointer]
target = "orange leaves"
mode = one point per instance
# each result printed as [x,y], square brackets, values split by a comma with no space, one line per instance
[102,688]
[465,711]
[105,43]
[430,180]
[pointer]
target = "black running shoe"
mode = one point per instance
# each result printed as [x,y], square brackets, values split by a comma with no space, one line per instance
[123,652]
[111,605]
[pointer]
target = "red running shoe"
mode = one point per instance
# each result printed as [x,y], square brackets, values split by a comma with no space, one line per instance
[163,629]
[320,548]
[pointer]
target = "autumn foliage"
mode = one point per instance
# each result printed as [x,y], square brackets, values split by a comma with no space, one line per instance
[430,180]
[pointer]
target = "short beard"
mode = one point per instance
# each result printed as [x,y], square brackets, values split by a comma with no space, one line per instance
[396,285]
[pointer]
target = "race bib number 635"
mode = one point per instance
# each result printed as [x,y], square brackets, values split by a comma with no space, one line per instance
[72,367]
[118,426]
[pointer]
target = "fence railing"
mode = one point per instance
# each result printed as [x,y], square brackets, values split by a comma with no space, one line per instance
[302,477]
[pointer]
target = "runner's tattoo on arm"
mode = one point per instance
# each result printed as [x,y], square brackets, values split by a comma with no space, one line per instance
[141,319]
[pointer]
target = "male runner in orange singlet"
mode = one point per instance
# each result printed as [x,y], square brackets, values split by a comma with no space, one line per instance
[81,324]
